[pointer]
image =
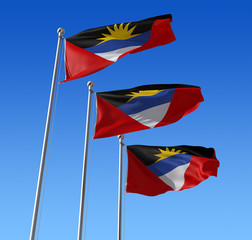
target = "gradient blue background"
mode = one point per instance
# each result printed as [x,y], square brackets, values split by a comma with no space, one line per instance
[213,50]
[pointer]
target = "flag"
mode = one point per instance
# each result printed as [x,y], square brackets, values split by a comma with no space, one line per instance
[95,49]
[155,170]
[144,107]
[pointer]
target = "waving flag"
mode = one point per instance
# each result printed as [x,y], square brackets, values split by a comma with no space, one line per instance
[144,107]
[95,49]
[156,170]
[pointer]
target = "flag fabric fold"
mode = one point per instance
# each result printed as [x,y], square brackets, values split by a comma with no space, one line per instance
[144,107]
[95,49]
[153,170]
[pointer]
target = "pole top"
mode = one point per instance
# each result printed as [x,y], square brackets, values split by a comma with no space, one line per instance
[90,84]
[61,31]
[121,137]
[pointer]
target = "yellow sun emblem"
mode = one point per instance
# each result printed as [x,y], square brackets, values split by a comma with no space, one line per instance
[121,33]
[145,93]
[167,153]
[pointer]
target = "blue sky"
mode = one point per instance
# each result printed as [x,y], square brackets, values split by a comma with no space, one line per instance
[213,50]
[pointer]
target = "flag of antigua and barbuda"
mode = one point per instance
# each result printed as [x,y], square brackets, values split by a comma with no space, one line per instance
[144,107]
[153,170]
[95,49]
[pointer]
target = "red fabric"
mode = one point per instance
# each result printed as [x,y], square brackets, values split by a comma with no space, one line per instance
[111,121]
[141,180]
[199,170]
[161,34]
[184,101]
[80,62]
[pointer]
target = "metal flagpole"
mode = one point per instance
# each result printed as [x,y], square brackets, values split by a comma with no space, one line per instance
[60,32]
[82,198]
[119,225]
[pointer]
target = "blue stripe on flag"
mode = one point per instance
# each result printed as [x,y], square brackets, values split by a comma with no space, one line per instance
[139,104]
[168,164]
[117,44]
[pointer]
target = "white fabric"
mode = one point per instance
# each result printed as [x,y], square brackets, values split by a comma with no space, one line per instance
[114,55]
[175,178]
[151,116]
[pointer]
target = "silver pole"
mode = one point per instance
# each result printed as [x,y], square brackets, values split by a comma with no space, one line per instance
[84,170]
[60,32]
[119,226]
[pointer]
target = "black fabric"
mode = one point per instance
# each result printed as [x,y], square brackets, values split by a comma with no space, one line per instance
[146,154]
[88,38]
[117,98]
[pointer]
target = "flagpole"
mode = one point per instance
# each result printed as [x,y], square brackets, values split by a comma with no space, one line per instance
[84,170]
[119,225]
[60,32]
